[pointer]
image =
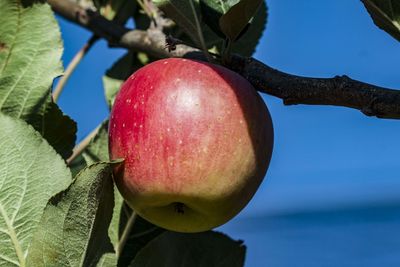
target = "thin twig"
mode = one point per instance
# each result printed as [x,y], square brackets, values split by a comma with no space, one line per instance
[125,234]
[155,228]
[200,32]
[79,148]
[72,66]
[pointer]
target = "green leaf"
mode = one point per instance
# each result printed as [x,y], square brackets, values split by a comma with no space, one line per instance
[74,227]
[77,165]
[209,12]
[141,234]
[386,15]
[29,58]
[30,174]
[111,88]
[58,129]
[108,260]
[30,52]
[247,43]
[213,10]
[182,13]
[206,249]
[97,149]
[235,20]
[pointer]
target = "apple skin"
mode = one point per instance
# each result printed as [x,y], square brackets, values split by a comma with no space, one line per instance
[197,141]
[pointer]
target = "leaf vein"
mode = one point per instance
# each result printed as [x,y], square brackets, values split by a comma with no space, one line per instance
[13,236]
[9,260]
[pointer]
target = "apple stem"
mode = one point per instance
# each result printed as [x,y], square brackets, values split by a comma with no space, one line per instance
[72,66]
[125,233]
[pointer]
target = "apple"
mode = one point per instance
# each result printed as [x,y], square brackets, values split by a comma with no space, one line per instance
[196,140]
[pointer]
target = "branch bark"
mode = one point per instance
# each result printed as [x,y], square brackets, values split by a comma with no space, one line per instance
[337,91]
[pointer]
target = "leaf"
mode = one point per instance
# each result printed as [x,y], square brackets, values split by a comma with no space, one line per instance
[213,10]
[30,58]
[181,12]
[77,165]
[74,227]
[386,15]
[205,249]
[247,43]
[142,233]
[235,20]
[111,88]
[58,129]
[97,149]
[30,174]
[108,260]
[210,12]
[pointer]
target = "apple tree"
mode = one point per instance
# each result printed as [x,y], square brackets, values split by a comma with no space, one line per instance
[58,202]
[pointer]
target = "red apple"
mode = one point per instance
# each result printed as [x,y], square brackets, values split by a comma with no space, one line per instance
[197,140]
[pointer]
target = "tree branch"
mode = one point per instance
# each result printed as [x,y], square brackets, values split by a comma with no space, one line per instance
[338,91]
